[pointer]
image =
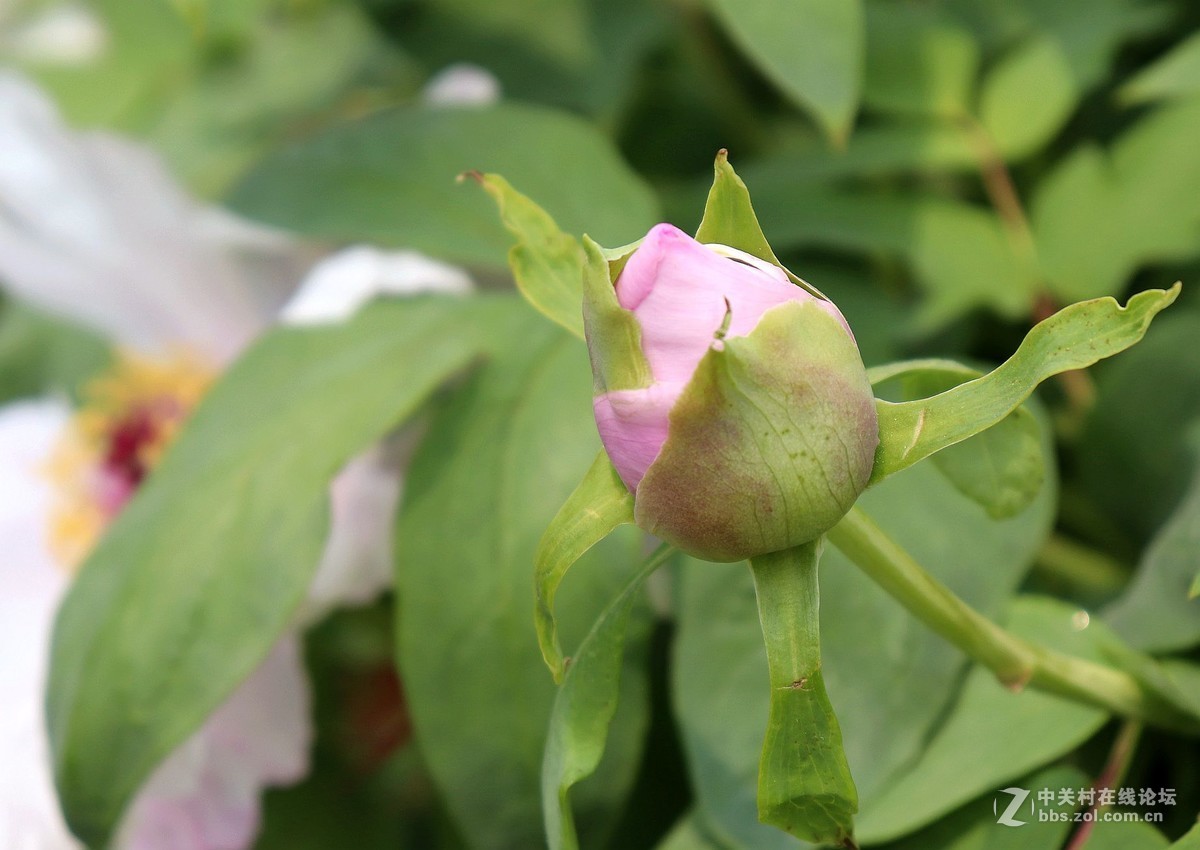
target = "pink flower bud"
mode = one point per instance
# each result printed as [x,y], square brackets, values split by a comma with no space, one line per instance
[772,446]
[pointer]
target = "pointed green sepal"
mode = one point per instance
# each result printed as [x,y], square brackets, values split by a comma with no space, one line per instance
[546,263]
[1073,338]
[593,510]
[613,335]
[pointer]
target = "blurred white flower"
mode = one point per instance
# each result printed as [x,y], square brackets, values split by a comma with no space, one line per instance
[92,228]
[462,84]
[67,33]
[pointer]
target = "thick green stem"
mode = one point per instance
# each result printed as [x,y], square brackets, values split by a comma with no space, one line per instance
[804,783]
[1016,662]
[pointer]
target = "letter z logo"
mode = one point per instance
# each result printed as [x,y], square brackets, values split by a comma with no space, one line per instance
[1019,796]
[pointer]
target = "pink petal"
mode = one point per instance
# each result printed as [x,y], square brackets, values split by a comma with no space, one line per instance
[678,289]
[633,426]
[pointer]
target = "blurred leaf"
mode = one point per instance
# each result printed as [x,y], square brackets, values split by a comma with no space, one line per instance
[1126,835]
[1177,74]
[804,783]
[1002,468]
[1136,468]
[1191,841]
[1097,218]
[584,707]
[598,505]
[811,49]
[1073,338]
[991,735]
[688,835]
[41,355]
[546,263]
[389,179]
[960,255]
[918,61]
[214,97]
[178,611]
[1028,97]
[1157,612]
[720,679]
[974,827]
[479,494]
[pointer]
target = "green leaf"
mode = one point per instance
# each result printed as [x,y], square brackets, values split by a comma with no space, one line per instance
[918,61]
[873,650]
[585,705]
[804,782]
[1028,96]
[1073,338]
[614,335]
[170,612]
[598,505]
[1137,469]
[1002,468]
[1191,841]
[1124,835]
[811,49]
[1089,215]
[40,354]
[546,263]
[1158,611]
[991,735]
[501,458]
[390,179]
[1177,74]
[974,827]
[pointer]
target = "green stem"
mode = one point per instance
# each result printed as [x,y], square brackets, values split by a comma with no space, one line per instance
[1081,567]
[804,782]
[1016,662]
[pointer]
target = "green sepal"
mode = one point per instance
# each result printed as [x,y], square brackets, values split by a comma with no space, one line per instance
[546,263]
[613,334]
[770,443]
[1073,338]
[1003,468]
[804,782]
[594,509]
[729,219]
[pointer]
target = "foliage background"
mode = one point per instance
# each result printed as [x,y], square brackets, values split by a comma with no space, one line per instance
[949,172]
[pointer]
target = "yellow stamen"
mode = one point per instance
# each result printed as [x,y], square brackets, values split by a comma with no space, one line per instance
[129,415]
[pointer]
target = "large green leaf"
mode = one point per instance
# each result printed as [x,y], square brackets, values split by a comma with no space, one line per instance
[390,179]
[584,707]
[501,458]
[974,826]
[873,651]
[1136,469]
[804,783]
[991,735]
[1158,612]
[811,49]
[204,569]
[1073,338]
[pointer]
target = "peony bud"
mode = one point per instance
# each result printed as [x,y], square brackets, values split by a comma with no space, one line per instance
[732,401]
